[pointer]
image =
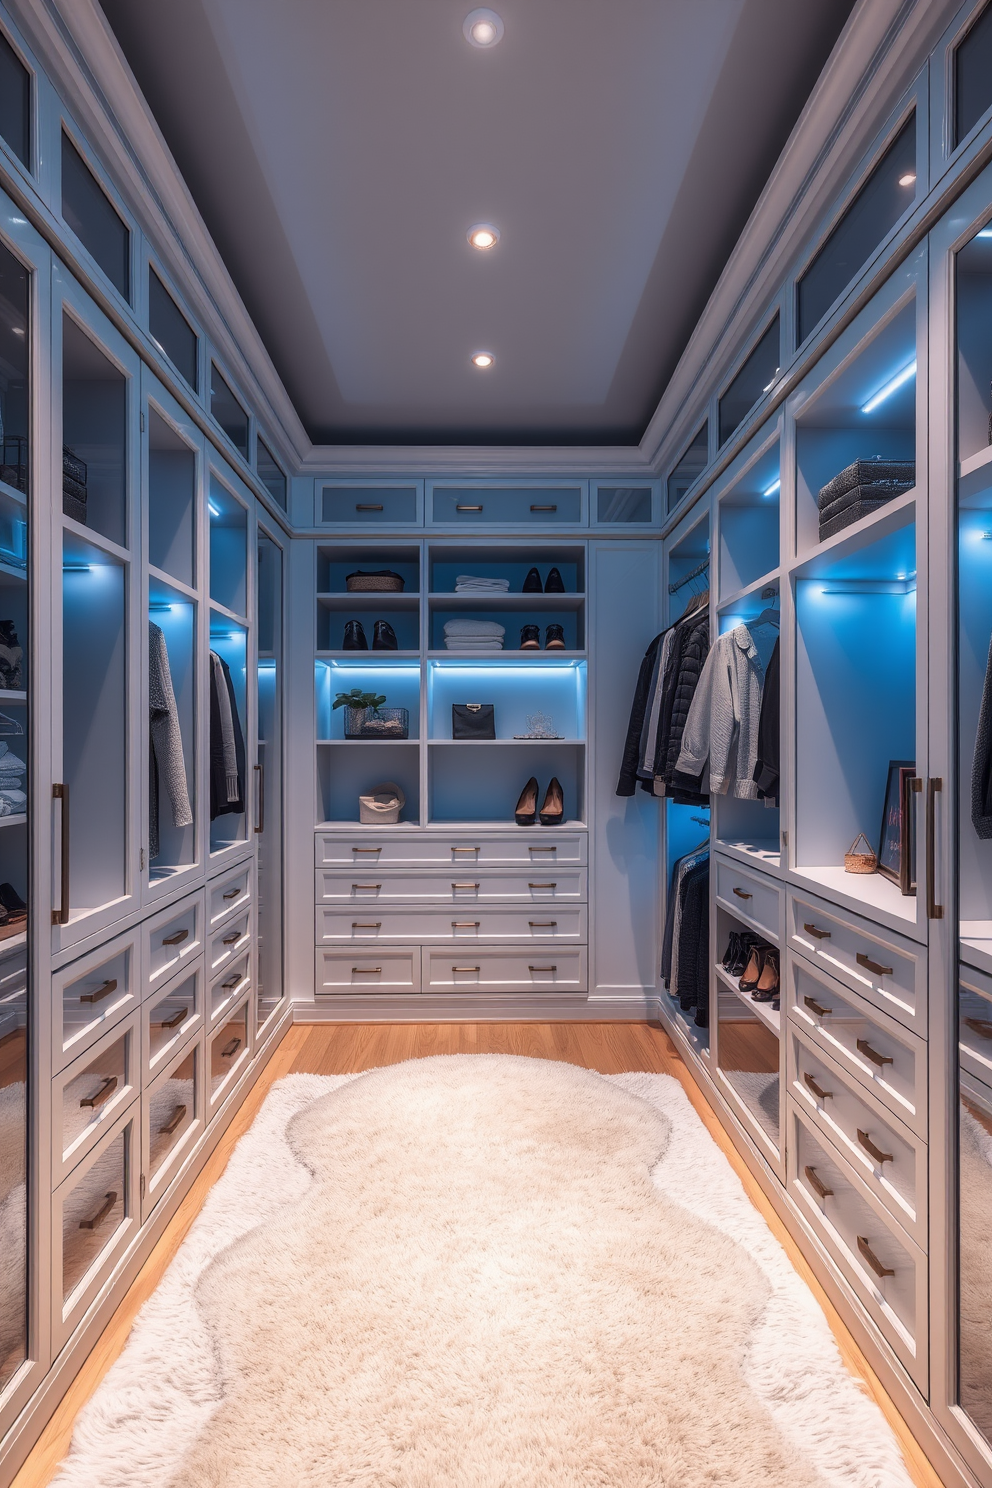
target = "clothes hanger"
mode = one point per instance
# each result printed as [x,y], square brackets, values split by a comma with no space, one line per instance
[769,616]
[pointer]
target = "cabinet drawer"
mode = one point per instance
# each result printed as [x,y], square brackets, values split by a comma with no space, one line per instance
[93,1216]
[887,1156]
[564,970]
[225,989]
[750,896]
[229,941]
[416,849]
[506,506]
[396,970]
[885,968]
[887,1270]
[369,506]
[451,887]
[172,1017]
[227,1052]
[471,926]
[172,939]
[228,894]
[880,1054]
[172,1120]
[90,1094]
[975,1033]
[90,996]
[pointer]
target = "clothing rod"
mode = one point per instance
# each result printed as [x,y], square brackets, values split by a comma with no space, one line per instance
[692,574]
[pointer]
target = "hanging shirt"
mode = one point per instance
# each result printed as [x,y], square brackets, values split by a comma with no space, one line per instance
[721,732]
[166,763]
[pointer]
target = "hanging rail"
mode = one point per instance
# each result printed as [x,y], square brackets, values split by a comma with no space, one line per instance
[692,574]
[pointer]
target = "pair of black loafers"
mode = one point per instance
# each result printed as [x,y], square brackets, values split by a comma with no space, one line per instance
[383,637]
[552,584]
[530,638]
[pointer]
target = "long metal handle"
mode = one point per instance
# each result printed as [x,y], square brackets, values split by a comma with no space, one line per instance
[817,1090]
[176,939]
[871,1149]
[542,885]
[465,924]
[545,508]
[552,848]
[742,893]
[464,885]
[233,893]
[109,1200]
[815,1007]
[815,931]
[367,849]
[981,1026]
[865,1048]
[367,886]
[872,1258]
[103,1094]
[231,1048]
[935,911]
[232,982]
[110,985]
[454,849]
[366,924]
[542,968]
[468,508]
[368,506]
[231,939]
[366,971]
[179,1016]
[260,824]
[542,924]
[466,968]
[173,1122]
[817,1184]
[873,966]
[60,916]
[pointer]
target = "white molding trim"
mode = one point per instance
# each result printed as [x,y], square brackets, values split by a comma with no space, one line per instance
[478,460]
[565,1007]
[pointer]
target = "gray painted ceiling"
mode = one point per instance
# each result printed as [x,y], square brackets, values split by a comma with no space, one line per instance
[340,151]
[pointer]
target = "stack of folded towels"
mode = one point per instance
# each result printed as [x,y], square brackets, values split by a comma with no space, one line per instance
[13,801]
[470,584]
[473,635]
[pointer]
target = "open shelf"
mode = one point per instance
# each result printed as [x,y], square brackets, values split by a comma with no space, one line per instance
[94,430]
[762,1010]
[480,782]
[520,743]
[748,523]
[865,891]
[534,601]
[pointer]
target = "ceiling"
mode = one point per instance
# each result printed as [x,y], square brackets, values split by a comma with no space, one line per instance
[340,151]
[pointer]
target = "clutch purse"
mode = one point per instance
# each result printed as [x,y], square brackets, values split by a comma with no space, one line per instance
[473,721]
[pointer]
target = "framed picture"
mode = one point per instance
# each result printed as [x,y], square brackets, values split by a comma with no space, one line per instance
[897,839]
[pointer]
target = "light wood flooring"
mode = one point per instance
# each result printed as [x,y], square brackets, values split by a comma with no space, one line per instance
[611,1048]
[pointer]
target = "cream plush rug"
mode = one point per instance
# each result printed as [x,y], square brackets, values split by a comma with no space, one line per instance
[480,1271]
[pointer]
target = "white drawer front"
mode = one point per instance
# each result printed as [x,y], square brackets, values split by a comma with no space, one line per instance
[470,926]
[172,1120]
[415,849]
[890,1158]
[452,886]
[172,1017]
[395,970]
[229,986]
[228,894]
[229,941]
[172,939]
[227,1052]
[879,1052]
[887,1270]
[90,1094]
[886,969]
[564,970]
[90,996]
[751,896]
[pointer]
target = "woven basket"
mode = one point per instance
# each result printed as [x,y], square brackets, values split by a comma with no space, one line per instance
[860,862]
[374,583]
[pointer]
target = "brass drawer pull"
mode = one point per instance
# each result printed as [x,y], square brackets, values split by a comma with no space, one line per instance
[367,849]
[103,1094]
[231,1048]
[542,968]
[872,1258]
[101,992]
[871,1149]
[817,1090]
[817,1184]
[865,1048]
[816,933]
[814,1007]
[468,508]
[173,1122]
[542,924]
[231,939]
[552,848]
[231,981]
[109,1200]
[176,939]
[368,506]
[542,886]
[742,893]
[179,1016]
[872,966]
[465,924]
[366,971]
[455,849]
[554,507]
[981,1026]
[367,886]
[466,968]
[233,893]
[464,885]
[366,924]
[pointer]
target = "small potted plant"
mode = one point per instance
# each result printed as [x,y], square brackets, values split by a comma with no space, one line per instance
[366,718]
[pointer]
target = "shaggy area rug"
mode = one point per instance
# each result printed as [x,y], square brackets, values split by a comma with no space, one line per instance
[480,1270]
[976,1271]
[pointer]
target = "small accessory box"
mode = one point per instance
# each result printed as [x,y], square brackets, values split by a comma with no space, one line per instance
[473,721]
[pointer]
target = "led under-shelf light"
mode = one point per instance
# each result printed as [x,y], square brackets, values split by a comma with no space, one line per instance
[213,510]
[775,486]
[986,232]
[890,387]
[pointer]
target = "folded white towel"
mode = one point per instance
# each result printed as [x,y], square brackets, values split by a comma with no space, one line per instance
[465,626]
[454,644]
[465,582]
[16,798]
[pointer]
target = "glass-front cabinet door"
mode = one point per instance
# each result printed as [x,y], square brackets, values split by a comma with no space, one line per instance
[269,777]
[98,739]
[229,529]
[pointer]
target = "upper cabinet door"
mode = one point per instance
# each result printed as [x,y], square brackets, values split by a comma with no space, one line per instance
[229,701]
[98,740]
[268,772]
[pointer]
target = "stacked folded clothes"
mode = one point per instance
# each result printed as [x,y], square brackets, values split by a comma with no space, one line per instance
[13,801]
[473,635]
[471,584]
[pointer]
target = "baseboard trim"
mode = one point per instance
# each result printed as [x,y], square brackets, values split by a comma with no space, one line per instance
[495,1008]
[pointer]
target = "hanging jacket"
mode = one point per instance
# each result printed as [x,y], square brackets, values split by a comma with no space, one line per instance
[689,655]
[722,728]
[227,745]
[166,762]
[627,783]
[981,769]
[767,763]
[691,981]
[673,910]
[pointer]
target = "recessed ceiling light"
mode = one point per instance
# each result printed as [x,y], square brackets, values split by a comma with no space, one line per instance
[482,359]
[909,179]
[483,28]
[483,235]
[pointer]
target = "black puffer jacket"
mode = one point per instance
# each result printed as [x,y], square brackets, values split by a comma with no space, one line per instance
[632,746]
[694,943]
[694,644]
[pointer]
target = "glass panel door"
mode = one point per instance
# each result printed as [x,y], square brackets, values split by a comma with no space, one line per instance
[268,775]
[228,504]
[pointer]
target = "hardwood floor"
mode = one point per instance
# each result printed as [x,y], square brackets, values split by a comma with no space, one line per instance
[323,1049]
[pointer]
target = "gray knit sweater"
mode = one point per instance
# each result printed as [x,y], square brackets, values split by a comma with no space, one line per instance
[166,741]
[722,727]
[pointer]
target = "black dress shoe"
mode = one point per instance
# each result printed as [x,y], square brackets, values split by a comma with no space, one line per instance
[383,637]
[555,639]
[553,809]
[530,638]
[532,583]
[553,583]
[354,636]
[525,814]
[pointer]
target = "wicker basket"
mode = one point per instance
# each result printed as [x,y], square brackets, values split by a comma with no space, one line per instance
[384,582]
[860,862]
[377,723]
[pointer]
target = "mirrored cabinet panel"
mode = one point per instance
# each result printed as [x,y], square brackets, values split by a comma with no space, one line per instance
[269,779]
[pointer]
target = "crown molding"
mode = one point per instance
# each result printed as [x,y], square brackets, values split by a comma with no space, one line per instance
[477,460]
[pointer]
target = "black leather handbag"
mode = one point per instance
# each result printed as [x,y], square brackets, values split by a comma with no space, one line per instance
[473,721]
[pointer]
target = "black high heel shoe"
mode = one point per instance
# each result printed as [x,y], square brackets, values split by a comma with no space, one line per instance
[553,809]
[525,814]
[553,584]
[383,637]
[355,638]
